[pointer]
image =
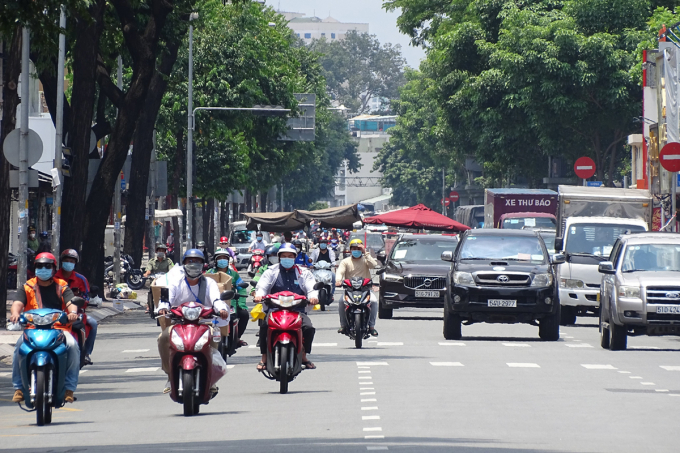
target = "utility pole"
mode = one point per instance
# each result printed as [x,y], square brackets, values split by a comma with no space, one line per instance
[116,202]
[152,200]
[443,192]
[59,140]
[23,158]
[190,134]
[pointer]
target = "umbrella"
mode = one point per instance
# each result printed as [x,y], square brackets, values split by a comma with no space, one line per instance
[419,216]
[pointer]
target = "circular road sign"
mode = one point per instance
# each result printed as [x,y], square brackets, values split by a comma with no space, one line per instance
[670,157]
[10,147]
[584,167]
[446,201]
[453,196]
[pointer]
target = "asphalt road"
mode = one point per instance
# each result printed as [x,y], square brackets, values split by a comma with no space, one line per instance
[500,389]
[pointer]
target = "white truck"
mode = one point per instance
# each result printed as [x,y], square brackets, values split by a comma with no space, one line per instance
[589,220]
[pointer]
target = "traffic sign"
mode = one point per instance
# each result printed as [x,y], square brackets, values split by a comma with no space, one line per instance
[10,147]
[670,157]
[453,196]
[584,167]
[594,184]
[446,201]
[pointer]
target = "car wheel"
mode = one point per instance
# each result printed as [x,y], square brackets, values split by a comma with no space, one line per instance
[549,327]
[452,325]
[618,336]
[604,332]
[384,313]
[567,316]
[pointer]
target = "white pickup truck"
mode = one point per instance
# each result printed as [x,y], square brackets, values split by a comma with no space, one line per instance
[590,219]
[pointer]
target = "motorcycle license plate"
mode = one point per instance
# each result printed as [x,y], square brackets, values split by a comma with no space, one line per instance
[423,293]
[502,303]
[668,310]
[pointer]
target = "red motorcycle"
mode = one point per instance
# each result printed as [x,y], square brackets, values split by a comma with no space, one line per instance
[255,262]
[284,337]
[196,367]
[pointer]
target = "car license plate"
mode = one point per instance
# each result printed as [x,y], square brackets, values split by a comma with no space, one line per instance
[502,303]
[668,309]
[421,293]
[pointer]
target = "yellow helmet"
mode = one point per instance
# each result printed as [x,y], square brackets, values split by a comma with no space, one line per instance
[356,242]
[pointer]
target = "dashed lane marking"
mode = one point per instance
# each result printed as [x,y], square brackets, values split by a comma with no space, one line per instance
[567,337]
[442,343]
[390,343]
[135,350]
[519,345]
[372,429]
[83,371]
[366,388]
[325,345]
[366,393]
[142,370]
[377,448]
[523,365]
[635,377]
[643,347]
[369,400]
[364,371]
[5,374]
[370,417]
[671,367]
[365,383]
[624,372]
[597,367]
[371,363]
[374,437]
[446,364]
[369,408]
[229,367]
[661,390]
[647,383]
[365,377]
[364,367]
[578,345]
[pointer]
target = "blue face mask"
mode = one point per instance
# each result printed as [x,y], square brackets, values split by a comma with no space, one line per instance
[356,253]
[68,267]
[287,262]
[222,263]
[43,274]
[259,239]
[323,246]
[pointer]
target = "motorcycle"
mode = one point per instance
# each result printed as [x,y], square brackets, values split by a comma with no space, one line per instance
[357,306]
[195,366]
[13,264]
[255,262]
[284,337]
[323,274]
[228,345]
[42,362]
[81,329]
[126,264]
[335,245]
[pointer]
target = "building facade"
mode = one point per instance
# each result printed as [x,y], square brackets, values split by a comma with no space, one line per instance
[309,28]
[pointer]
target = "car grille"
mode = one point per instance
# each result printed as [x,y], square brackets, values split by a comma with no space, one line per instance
[242,249]
[663,295]
[659,318]
[503,279]
[422,282]
[593,285]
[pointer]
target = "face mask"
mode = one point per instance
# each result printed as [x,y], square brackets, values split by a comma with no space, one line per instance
[259,239]
[32,235]
[222,263]
[193,270]
[287,262]
[299,249]
[274,259]
[323,246]
[68,267]
[356,253]
[160,255]
[43,274]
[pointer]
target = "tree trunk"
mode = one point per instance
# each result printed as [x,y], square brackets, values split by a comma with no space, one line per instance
[247,200]
[141,157]
[210,241]
[263,201]
[11,68]
[224,219]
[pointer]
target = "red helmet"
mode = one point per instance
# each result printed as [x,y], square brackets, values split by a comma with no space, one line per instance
[70,253]
[224,239]
[46,258]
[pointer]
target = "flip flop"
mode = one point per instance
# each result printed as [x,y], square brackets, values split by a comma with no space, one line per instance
[261,366]
[309,365]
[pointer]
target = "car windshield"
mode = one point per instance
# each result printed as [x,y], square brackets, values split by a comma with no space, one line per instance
[651,257]
[595,238]
[421,249]
[529,222]
[241,237]
[372,240]
[505,248]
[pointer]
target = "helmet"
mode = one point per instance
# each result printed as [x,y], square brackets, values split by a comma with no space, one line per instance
[161,246]
[272,250]
[287,248]
[46,258]
[201,244]
[224,239]
[193,253]
[356,242]
[222,252]
[69,253]
[43,234]
[297,242]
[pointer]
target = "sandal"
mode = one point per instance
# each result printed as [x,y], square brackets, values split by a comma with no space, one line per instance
[261,366]
[309,365]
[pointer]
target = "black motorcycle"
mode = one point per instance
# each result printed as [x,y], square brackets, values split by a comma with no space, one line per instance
[134,278]
[357,306]
[229,344]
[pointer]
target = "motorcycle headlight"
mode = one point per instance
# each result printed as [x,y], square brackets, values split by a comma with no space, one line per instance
[286,301]
[45,320]
[202,341]
[463,278]
[631,292]
[177,340]
[542,280]
[191,313]
[571,283]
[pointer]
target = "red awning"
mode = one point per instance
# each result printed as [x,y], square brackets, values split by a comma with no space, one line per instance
[419,216]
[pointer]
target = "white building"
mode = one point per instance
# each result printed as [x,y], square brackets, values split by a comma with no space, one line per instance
[308,28]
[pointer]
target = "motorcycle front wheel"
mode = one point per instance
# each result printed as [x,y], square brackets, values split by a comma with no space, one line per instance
[188,397]
[43,408]
[134,280]
[283,373]
[359,331]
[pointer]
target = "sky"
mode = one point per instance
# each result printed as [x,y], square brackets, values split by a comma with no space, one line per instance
[380,23]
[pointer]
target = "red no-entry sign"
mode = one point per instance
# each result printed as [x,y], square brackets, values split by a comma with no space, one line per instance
[446,201]
[670,157]
[584,167]
[453,196]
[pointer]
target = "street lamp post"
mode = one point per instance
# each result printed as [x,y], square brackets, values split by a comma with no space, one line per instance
[190,138]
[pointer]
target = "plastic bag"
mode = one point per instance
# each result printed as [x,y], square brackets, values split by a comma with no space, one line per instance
[257,313]
[95,302]
[219,366]
[13,326]
[317,307]
[132,295]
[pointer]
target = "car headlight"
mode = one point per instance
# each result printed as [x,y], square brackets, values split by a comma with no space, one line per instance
[191,313]
[393,278]
[177,340]
[571,283]
[542,280]
[632,292]
[463,278]
[203,340]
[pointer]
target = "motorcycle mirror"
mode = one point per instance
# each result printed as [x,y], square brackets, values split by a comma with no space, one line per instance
[318,286]
[380,271]
[243,285]
[78,301]
[165,294]
[227,295]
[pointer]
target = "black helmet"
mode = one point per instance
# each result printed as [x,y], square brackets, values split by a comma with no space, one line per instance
[297,243]
[69,253]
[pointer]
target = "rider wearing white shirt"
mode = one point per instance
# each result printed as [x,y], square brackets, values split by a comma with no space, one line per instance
[258,244]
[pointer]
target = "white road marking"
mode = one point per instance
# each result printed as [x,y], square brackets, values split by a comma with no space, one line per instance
[372,429]
[327,345]
[365,377]
[370,417]
[369,408]
[142,370]
[661,390]
[635,377]
[229,367]
[578,345]
[674,394]
[377,448]
[369,400]
[568,337]
[366,393]
[647,383]
[252,346]
[671,367]
[364,367]
[374,437]
[366,388]
[519,345]
[597,367]
[7,374]
[80,372]
[523,365]
[441,343]
[389,343]
[136,350]
[371,363]
[624,372]
[365,383]
[643,347]
[362,371]
[446,364]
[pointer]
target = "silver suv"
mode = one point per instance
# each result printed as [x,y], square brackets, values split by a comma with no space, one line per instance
[640,291]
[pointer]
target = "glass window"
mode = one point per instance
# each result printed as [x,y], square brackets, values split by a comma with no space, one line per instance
[298,35]
[332,35]
[308,35]
[548,240]
[595,238]
[529,222]
[323,34]
[421,250]
[505,248]
[651,257]
[241,237]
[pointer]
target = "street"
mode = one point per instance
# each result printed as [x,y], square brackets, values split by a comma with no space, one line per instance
[500,389]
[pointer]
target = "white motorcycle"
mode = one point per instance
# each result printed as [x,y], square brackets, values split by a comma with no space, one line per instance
[323,274]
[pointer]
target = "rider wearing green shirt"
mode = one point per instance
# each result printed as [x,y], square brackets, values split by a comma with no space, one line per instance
[222,257]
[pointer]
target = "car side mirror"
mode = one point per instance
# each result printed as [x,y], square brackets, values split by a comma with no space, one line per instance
[227,295]
[558,258]
[380,271]
[447,256]
[559,244]
[606,267]
[78,301]
[381,256]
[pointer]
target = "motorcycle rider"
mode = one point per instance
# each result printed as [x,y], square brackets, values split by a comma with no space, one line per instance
[224,245]
[45,244]
[185,285]
[324,253]
[286,276]
[301,259]
[161,264]
[222,258]
[258,243]
[33,242]
[80,287]
[358,264]
[46,291]
[201,246]
[270,258]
